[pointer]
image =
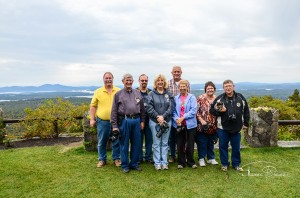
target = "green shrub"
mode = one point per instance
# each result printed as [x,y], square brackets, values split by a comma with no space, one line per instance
[289,133]
[53,117]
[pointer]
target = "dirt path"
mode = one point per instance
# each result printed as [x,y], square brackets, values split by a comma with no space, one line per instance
[77,141]
[45,142]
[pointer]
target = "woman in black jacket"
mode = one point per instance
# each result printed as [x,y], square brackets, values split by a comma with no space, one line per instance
[160,107]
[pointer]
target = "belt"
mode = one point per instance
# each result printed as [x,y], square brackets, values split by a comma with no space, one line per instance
[104,120]
[131,116]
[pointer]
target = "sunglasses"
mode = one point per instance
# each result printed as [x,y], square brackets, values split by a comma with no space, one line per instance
[144,80]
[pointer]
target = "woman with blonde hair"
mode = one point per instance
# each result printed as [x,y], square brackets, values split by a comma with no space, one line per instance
[159,107]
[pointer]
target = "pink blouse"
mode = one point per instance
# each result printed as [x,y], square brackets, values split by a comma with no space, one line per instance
[182,107]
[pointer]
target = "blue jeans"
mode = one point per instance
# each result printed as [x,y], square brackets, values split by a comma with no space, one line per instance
[172,142]
[130,131]
[160,145]
[235,142]
[103,133]
[147,135]
[205,146]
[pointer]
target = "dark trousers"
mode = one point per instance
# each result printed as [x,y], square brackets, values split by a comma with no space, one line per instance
[147,135]
[235,142]
[205,145]
[185,147]
[172,142]
[130,133]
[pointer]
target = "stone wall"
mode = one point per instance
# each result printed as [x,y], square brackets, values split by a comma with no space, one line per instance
[90,141]
[263,127]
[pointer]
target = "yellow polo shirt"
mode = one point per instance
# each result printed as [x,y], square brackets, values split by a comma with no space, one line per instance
[102,100]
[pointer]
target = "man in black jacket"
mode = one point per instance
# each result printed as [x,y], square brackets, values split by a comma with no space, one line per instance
[232,112]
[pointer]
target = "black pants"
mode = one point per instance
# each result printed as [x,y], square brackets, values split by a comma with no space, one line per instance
[185,144]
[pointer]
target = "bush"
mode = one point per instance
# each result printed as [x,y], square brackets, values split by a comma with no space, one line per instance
[289,133]
[52,118]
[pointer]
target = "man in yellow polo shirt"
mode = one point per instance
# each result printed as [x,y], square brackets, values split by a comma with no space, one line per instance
[100,109]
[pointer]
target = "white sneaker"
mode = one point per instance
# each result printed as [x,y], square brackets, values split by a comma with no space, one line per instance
[202,162]
[238,168]
[224,168]
[180,167]
[157,167]
[165,167]
[194,166]
[212,161]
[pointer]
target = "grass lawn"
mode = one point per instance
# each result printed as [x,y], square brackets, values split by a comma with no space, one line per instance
[61,171]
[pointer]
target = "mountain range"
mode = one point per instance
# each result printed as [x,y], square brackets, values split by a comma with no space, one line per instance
[61,88]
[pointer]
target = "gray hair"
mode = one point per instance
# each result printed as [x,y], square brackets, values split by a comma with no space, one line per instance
[127,76]
[227,81]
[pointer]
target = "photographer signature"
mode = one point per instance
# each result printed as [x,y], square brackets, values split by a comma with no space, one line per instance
[261,169]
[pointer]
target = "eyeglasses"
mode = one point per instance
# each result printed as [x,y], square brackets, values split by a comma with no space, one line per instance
[144,80]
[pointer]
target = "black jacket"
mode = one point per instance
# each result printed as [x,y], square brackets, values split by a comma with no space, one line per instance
[160,104]
[236,115]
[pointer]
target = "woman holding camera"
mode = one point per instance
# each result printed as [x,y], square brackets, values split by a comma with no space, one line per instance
[207,126]
[160,105]
[184,119]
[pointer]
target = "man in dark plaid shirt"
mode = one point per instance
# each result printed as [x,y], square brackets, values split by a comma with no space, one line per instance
[174,90]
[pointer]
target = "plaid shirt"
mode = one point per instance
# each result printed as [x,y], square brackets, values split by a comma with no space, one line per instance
[174,89]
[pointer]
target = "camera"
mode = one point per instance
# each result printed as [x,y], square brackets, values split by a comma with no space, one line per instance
[206,127]
[115,135]
[180,129]
[203,128]
[219,105]
[163,128]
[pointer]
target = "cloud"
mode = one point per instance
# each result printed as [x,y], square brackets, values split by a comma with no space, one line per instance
[74,41]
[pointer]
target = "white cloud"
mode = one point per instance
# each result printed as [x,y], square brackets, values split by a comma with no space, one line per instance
[73,42]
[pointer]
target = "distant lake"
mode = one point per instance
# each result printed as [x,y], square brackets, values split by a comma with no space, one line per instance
[16,96]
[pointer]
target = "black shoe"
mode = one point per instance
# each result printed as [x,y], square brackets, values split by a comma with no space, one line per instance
[141,161]
[150,161]
[136,168]
[126,170]
[171,159]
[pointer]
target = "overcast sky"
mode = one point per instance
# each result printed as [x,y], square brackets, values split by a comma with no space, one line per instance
[73,42]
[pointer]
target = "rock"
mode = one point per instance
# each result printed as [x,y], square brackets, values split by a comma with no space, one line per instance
[90,141]
[90,135]
[263,127]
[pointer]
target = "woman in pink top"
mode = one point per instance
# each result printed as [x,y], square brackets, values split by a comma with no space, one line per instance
[184,119]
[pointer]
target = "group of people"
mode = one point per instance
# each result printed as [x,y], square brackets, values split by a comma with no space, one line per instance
[166,118]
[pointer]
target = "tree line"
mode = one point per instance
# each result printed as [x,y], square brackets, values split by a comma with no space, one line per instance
[40,115]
